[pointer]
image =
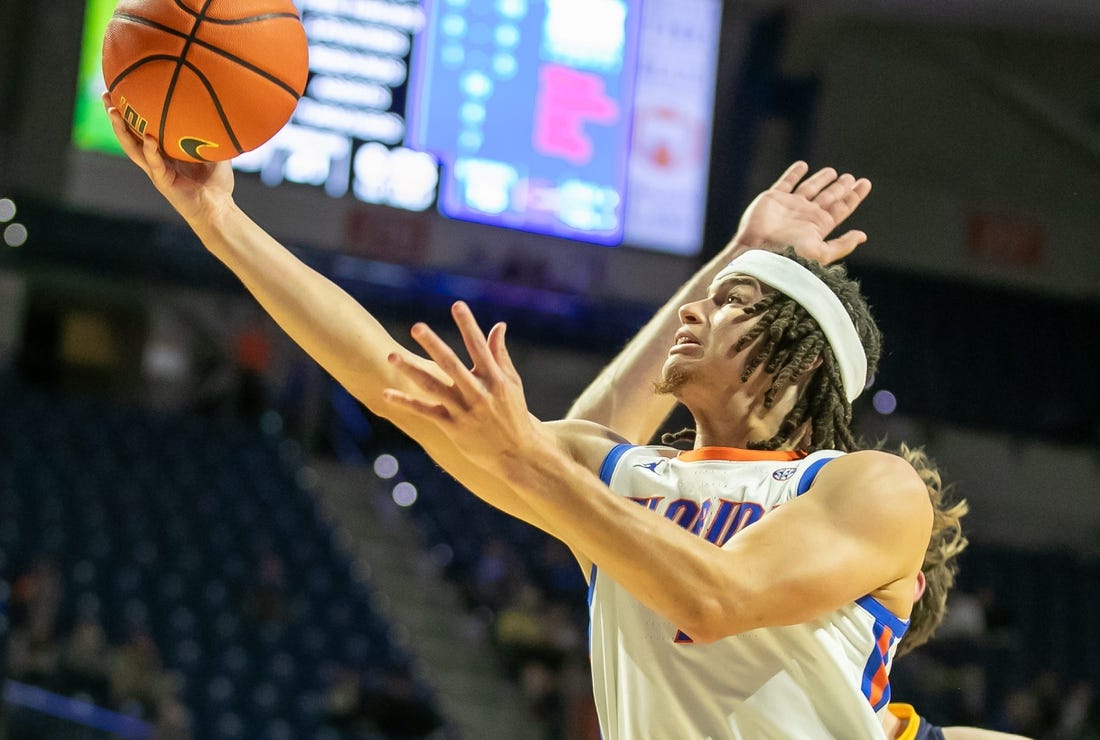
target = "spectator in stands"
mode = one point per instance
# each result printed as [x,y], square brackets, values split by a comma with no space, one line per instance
[343,708]
[540,685]
[83,670]
[1078,718]
[173,721]
[35,647]
[518,629]
[138,683]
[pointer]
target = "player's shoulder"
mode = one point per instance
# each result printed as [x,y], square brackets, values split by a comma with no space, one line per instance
[875,478]
[585,441]
[878,465]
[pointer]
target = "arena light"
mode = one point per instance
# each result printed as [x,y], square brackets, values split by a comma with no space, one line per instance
[885,402]
[14,234]
[404,494]
[385,466]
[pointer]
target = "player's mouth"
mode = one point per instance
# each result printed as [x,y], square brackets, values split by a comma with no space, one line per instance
[684,341]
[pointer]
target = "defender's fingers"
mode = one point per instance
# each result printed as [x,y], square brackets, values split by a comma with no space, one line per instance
[845,244]
[790,178]
[835,191]
[844,207]
[816,182]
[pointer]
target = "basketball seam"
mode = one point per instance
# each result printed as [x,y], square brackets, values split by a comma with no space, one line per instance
[144,60]
[175,78]
[262,16]
[211,48]
[236,21]
[217,103]
[198,73]
[250,19]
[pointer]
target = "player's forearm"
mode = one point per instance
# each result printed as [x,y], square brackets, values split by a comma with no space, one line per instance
[340,334]
[621,397]
[324,320]
[665,567]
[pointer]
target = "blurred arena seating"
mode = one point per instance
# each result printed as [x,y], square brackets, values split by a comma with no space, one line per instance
[192,541]
[196,546]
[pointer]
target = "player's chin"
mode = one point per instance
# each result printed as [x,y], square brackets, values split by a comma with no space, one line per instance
[674,377]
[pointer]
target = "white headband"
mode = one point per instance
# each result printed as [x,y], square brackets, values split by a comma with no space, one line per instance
[795,281]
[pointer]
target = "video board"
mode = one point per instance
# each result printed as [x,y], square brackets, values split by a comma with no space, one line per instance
[588,120]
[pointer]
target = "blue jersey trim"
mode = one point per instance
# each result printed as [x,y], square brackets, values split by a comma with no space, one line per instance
[591,595]
[606,470]
[612,460]
[883,615]
[809,474]
[876,666]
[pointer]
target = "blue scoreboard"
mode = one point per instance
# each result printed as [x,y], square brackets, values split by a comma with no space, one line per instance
[528,105]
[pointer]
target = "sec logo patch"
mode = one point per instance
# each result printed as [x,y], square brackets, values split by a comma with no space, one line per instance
[783,473]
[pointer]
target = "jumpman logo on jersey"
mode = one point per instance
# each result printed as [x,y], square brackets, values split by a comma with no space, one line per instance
[650,466]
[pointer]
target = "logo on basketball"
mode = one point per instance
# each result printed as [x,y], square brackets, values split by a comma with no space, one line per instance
[133,119]
[783,473]
[191,146]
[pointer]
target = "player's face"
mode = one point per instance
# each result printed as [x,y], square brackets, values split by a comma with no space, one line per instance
[704,349]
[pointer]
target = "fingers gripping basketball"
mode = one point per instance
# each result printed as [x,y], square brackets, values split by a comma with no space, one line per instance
[209,79]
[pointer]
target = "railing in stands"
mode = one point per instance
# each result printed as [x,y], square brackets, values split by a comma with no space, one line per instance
[62,712]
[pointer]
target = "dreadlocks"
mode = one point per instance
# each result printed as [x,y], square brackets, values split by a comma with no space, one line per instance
[791,344]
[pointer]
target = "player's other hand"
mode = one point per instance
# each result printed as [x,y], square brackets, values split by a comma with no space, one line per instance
[481,408]
[197,190]
[802,212]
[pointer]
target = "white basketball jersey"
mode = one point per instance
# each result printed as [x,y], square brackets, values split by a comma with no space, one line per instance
[824,679]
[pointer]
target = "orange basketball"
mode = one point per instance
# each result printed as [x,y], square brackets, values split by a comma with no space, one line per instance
[209,79]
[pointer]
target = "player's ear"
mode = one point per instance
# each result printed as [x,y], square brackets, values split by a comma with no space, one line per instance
[919,586]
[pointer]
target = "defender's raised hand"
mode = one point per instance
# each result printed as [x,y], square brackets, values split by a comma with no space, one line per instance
[802,212]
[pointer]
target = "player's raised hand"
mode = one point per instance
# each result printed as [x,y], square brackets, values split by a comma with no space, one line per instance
[802,212]
[483,408]
[195,189]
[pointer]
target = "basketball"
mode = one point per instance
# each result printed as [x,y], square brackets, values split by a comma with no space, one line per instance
[209,79]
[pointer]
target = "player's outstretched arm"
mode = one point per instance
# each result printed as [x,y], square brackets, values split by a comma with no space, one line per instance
[862,528]
[796,211]
[325,321]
